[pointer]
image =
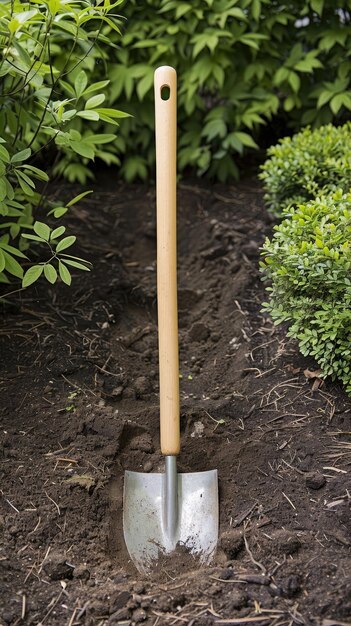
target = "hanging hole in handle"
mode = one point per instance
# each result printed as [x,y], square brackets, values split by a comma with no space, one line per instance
[165,92]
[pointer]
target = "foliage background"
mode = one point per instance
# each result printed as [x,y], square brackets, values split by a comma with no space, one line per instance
[242,64]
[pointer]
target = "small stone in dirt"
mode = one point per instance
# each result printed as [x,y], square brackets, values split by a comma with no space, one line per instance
[139,616]
[81,572]
[119,600]
[148,466]
[142,386]
[139,588]
[57,568]
[315,480]
[198,429]
[117,392]
[286,542]
[231,542]
[199,332]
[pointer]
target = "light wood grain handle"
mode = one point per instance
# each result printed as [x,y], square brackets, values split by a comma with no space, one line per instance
[166,148]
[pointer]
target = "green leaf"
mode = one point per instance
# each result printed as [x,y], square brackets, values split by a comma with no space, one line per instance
[294,81]
[3,189]
[341,99]
[32,237]
[32,275]
[57,232]
[12,266]
[84,149]
[144,85]
[59,212]
[96,86]
[50,273]
[78,198]
[12,250]
[114,113]
[25,178]
[27,189]
[100,139]
[42,230]
[21,156]
[64,274]
[214,128]
[324,97]
[80,83]
[317,6]
[4,155]
[2,261]
[93,116]
[280,76]
[79,266]
[65,243]
[308,64]
[95,101]
[246,139]
[36,172]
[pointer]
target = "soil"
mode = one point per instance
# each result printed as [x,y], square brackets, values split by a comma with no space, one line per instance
[79,384]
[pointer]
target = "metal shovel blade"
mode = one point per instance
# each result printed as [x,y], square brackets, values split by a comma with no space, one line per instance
[144,521]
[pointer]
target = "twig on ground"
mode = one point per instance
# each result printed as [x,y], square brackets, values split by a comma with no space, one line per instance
[288,499]
[55,503]
[259,565]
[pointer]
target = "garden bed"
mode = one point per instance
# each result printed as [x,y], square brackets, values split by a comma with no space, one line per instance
[79,385]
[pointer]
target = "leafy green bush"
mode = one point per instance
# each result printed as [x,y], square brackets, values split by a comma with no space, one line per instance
[240,63]
[308,261]
[48,104]
[306,165]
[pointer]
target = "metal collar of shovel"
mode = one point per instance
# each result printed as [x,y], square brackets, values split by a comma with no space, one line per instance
[168,513]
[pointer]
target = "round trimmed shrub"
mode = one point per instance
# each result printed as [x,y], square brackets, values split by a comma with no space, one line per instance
[308,261]
[311,163]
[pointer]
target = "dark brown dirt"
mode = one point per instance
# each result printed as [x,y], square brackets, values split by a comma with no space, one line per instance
[79,386]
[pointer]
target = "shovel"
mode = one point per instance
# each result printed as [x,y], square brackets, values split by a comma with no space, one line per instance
[169,514]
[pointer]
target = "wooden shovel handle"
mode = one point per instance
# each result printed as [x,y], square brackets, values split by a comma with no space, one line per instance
[166,148]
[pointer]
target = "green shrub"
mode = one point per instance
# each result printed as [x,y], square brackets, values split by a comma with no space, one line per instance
[308,261]
[306,165]
[48,105]
[240,63]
